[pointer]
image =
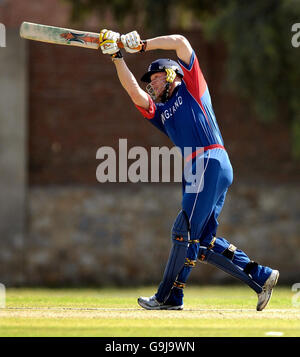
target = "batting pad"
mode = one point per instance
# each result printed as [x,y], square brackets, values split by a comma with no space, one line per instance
[175,263]
[225,264]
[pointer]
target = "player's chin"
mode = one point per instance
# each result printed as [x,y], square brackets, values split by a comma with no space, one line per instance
[158,97]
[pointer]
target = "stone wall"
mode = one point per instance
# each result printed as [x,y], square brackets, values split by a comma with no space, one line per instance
[121,235]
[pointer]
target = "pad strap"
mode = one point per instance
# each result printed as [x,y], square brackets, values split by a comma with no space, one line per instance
[212,243]
[190,263]
[179,285]
[251,265]
[179,238]
[229,252]
[201,257]
[195,241]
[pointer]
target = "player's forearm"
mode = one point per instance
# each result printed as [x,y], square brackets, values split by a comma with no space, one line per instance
[170,42]
[126,78]
[130,84]
[177,43]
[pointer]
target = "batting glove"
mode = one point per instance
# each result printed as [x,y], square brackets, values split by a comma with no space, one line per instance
[108,41]
[132,42]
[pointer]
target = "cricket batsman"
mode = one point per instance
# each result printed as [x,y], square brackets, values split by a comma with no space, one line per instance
[177,101]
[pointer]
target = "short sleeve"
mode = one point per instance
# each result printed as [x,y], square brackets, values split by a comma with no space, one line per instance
[153,115]
[150,113]
[193,77]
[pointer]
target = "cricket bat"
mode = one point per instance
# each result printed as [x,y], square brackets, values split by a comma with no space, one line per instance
[60,35]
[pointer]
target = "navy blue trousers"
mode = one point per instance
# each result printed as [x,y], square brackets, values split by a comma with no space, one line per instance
[203,207]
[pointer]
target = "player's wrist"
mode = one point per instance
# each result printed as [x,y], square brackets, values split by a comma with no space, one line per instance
[117,55]
[144,46]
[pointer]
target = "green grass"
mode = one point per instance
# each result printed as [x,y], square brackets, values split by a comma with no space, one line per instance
[209,311]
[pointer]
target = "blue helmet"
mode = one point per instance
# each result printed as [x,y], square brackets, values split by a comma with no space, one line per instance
[159,66]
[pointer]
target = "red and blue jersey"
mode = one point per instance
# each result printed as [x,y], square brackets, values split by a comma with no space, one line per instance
[187,118]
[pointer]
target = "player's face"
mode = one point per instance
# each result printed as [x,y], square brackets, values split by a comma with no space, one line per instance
[158,83]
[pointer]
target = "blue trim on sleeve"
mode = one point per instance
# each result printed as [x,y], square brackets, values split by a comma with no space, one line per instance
[188,67]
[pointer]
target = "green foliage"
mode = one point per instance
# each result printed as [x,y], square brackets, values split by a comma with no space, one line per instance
[150,14]
[262,64]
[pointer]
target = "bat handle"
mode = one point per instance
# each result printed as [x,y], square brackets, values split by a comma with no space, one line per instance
[120,45]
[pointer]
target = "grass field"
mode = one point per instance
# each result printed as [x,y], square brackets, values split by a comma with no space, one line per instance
[209,312]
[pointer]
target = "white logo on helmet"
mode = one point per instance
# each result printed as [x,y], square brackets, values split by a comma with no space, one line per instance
[163,67]
[171,67]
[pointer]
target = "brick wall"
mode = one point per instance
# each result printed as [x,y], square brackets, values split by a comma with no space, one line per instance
[76,105]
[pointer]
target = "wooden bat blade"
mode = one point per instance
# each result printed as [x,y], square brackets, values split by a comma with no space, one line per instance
[60,35]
